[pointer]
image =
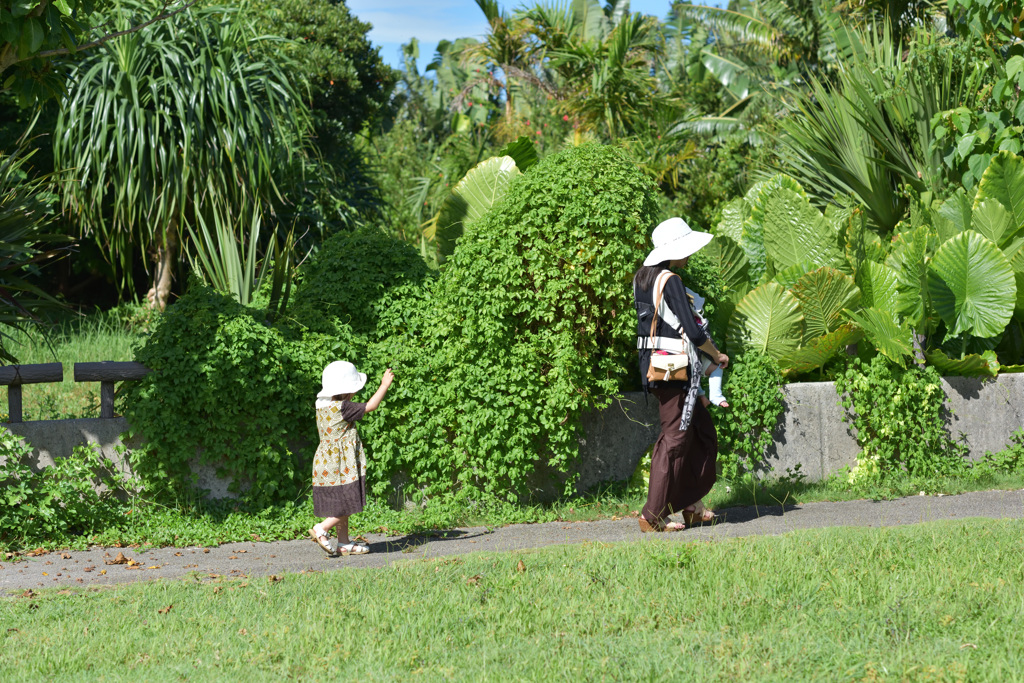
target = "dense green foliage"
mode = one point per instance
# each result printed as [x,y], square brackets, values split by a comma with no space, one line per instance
[745,430]
[234,391]
[896,414]
[60,502]
[530,323]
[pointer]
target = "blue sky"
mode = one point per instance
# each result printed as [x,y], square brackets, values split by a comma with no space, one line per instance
[396,21]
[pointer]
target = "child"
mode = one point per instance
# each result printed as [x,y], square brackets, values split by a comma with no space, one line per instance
[339,466]
[711,371]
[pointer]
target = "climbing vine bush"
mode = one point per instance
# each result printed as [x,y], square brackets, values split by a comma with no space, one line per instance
[530,323]
[234,391]
[896,414]
[753,384]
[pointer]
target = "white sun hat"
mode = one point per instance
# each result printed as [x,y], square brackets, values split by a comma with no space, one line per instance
[673,240]
[341,377]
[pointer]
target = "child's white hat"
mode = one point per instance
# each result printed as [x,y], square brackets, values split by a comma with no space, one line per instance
[341,377]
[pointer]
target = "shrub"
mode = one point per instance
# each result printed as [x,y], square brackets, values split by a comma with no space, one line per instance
[897,416]
[530,323]
[58,502]
[233,391]
[753,384]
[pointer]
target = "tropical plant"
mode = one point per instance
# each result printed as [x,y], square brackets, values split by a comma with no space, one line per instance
[26,212]
[170,123]
[870,133]
[806,286]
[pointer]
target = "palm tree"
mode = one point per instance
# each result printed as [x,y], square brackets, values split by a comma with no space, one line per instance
[166,125]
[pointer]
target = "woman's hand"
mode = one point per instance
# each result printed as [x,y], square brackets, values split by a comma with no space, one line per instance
[388,378]
[723,360]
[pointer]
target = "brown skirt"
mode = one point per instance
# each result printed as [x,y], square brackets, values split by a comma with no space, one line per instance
[683,463]
[339,501]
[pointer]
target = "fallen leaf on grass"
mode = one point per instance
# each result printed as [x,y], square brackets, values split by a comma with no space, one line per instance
[28,594]
[521,567]
[473,580]
[13,630]
[615,518]
[37,552]
[65,592]
[165,610]
[274,578]
[255,537]
[214,576]
[970,645]
[242,632]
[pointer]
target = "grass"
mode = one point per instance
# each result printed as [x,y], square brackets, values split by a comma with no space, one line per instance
[110,335]
[932,602]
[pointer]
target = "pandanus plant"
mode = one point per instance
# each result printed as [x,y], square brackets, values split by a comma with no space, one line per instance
[167,125]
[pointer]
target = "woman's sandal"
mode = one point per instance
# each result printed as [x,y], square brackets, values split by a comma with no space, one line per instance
[657,527]
[353,549]
[699,515]
[321,538]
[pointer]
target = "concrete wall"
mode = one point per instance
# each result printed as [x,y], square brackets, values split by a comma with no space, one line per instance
[810,433]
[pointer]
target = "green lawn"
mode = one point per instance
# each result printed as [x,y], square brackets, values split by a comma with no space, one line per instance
[96,337]
[933,602]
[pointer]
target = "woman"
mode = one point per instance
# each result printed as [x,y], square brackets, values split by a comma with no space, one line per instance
[684,458]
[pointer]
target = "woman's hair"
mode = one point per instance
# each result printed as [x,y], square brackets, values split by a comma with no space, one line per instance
[342,397]
[646,276]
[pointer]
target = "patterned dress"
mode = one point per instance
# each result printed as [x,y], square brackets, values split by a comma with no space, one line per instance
[339,466]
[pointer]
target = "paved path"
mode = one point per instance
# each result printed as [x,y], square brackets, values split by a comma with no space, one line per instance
[83,568]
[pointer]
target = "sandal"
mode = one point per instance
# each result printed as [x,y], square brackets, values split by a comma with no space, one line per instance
[697,514]
[320,537]
[353,549]
[657,527]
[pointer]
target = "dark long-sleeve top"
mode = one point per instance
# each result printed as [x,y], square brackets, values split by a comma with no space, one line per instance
[676,320]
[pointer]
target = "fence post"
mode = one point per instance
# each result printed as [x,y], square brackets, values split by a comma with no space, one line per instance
[14,376]
[107,373]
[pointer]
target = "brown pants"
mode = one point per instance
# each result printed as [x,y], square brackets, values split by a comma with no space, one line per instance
[683,463]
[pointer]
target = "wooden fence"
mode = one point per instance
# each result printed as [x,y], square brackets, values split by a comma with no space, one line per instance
[107,373]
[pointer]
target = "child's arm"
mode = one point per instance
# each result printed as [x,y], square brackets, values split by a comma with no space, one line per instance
[378,395]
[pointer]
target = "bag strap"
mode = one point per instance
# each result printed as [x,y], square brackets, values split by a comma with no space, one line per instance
[659,290]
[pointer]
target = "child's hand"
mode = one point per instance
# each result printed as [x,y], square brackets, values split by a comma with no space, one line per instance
[388,378]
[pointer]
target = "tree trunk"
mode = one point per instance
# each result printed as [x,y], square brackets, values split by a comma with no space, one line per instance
[166,259]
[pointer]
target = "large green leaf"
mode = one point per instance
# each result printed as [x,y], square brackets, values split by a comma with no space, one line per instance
[787,277]
[733,215]
[522,151]
[752,238]
[953,216]
[733,74]
[823,294]
[994,222]
[731,262]
[794,231]
[972,286]
[470,199]
[820,350]
[1003,181]
[908,260]
[890,339]
[879,287]
[767,320]
[971,365]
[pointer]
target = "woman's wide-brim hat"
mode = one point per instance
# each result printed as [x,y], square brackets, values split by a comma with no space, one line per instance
[341,377]
[674,240]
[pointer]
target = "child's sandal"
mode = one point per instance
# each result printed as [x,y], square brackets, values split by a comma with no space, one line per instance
[352,549]
[321,538]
